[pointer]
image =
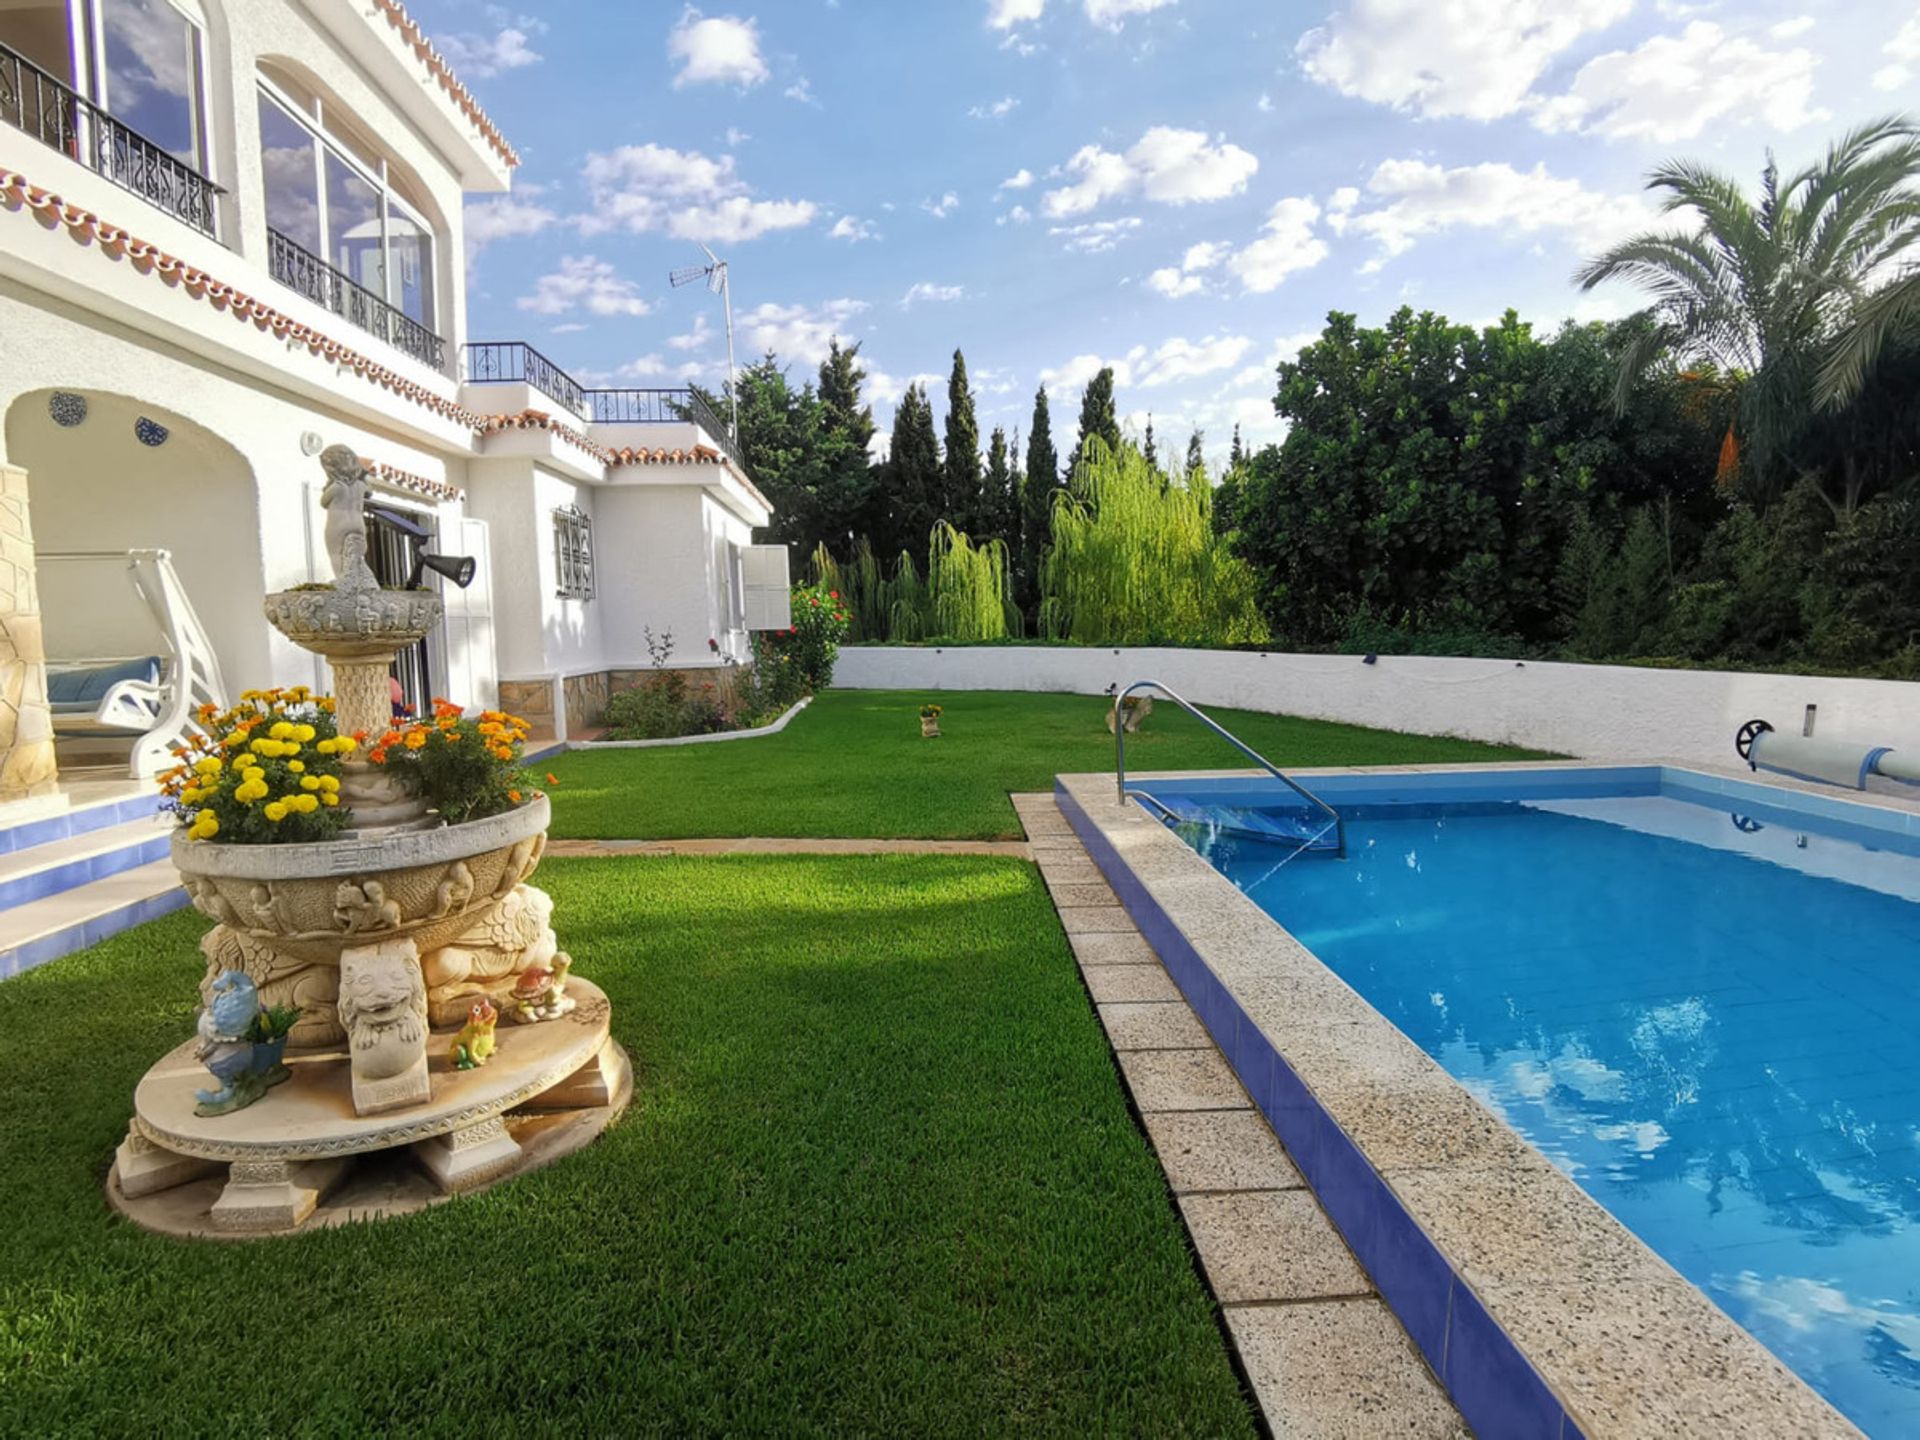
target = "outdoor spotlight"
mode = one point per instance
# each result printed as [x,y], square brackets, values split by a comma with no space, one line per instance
[457,568]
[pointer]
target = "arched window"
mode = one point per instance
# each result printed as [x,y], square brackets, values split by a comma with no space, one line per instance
[332,193]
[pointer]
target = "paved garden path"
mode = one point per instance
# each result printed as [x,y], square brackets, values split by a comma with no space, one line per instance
[1325,1355]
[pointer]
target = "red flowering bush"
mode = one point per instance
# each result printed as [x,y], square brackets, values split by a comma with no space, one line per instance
[811,645]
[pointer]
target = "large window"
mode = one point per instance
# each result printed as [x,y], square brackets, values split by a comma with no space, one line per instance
[573,552]
[147,59]
[326,195]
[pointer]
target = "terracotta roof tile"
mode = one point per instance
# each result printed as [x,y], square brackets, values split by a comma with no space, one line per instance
[437,67]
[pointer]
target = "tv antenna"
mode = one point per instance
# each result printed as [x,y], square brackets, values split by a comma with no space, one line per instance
[714,272]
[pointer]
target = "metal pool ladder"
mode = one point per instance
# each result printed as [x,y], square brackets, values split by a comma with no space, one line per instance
[1337,825]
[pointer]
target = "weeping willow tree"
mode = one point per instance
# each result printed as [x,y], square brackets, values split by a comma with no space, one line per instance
[897,606]
[1135,561]
[970,587]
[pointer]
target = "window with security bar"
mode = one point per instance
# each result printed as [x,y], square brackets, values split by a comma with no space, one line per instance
[573,552]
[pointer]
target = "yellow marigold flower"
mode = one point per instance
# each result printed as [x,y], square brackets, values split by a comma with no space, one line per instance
[281,730]
[345,743]
[305,804]
[236,737]
[275,811]
[251,791]
[309,782]
[304,733]
[329,783]
[298,767]
[416,739]
[211,765]
[327,797]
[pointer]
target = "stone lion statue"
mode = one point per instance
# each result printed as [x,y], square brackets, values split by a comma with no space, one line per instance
[384,1011]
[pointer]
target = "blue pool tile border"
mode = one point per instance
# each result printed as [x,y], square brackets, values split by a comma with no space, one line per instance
[1492,1383]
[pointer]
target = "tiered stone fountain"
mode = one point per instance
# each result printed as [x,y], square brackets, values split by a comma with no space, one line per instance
[381,936]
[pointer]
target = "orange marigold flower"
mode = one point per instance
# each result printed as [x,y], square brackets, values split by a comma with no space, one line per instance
[552,779]
[514,796]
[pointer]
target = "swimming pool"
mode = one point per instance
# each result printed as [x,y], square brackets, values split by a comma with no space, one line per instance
[1699,998]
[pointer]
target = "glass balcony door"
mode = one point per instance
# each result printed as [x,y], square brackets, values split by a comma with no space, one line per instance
[147,59]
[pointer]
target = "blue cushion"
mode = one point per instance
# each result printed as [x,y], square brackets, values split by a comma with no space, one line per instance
[90,686]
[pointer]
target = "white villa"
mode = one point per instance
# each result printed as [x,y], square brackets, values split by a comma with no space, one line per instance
[230,236]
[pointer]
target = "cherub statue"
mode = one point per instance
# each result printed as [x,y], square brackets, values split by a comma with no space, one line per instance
[344,498]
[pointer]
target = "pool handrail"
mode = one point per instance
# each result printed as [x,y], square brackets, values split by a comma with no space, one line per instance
[1120,756]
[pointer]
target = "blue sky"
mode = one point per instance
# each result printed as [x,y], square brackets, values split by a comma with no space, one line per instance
[1180,188]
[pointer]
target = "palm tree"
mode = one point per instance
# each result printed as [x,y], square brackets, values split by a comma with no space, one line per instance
[1891,311]
[1770,291]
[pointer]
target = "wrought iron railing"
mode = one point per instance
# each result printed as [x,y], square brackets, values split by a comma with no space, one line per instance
[659,407]
[46,108]
[299,269]
[506,362]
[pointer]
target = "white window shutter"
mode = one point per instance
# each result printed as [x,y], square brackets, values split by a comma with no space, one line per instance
[769,601]
[472,673]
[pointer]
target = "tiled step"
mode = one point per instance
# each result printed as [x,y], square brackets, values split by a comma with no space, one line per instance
[94,806]
[41,870]
[46,929]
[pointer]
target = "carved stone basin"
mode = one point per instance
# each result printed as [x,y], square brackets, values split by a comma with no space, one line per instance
[351,624]
[310,902]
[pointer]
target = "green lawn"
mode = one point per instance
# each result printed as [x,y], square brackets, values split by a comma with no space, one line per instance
[853,765]
[878,1177]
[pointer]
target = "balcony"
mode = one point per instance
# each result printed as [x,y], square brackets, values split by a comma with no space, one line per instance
[299,269]
[44,107]
[513,362]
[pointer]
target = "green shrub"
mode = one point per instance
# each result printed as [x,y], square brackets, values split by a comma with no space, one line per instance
[810,645]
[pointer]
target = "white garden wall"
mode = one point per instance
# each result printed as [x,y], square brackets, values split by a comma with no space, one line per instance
[1598,712]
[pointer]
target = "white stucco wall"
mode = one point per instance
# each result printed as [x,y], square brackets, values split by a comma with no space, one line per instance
[1599,712]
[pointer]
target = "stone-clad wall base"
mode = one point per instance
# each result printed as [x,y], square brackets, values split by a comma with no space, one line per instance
[26,724]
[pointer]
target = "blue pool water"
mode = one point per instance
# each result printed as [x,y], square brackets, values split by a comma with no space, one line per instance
[1704,1007]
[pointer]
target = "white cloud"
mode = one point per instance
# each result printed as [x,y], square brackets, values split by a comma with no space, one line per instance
[1674,87]
[943,207]
[1170,282]
[798,332]
[1019,180]
[1005,14]
[480,56]
[694,339]
[716,49]
[1181,359]
[1264,104]
[1111,14]
[1188,277]
[1093,237]
[998,110]
[583,282]
[1473,58]
[1261,373]
[681,193]
[571,327]
[802,90]
[922,290]
[1788,29]
[1082,368]
[643,367]
[488,220]
[852,229]
[1423,199]
[736,137]
[1903,56]
[1174,167]
[1287,243]
[1018,215]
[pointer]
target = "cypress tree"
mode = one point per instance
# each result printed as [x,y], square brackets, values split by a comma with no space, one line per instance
[962,502]
[999,508]
[1096,415]
[1237,456]
[1196,453]
[914,478]
[1147,452]
[846,493]
[1036,500]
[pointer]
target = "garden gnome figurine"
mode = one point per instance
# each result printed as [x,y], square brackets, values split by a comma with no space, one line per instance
[225,1047]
